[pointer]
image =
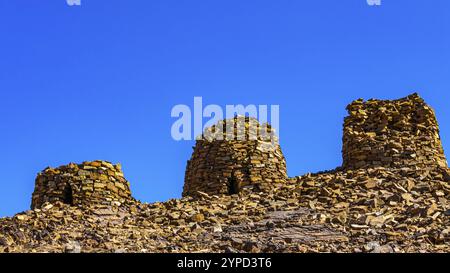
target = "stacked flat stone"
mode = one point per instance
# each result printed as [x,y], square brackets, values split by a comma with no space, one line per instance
[96,182]
[398,133]
[225,161]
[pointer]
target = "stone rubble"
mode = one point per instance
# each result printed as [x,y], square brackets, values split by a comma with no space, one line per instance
[402,211]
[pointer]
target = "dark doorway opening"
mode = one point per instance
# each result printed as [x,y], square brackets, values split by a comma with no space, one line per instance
[67,195]
[233,186]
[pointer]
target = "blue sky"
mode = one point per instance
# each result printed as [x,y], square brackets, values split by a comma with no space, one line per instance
[99,81]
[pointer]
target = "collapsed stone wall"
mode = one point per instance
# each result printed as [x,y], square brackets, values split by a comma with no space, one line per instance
[96,182]
[234,154]
[398,133]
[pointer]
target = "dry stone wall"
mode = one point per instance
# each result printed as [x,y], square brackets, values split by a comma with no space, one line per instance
[398,133]
[225,161]
[96,182]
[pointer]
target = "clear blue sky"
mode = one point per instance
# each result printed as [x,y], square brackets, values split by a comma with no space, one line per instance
[99,81]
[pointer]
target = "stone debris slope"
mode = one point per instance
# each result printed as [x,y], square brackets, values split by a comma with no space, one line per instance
[376,210]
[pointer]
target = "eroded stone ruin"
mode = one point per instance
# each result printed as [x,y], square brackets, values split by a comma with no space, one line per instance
[251,157]
[391,196]
[96,182]
[398,133]
[377,133]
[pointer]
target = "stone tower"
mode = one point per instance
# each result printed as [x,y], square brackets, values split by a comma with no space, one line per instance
[96,182]
[398,133]
[234,154]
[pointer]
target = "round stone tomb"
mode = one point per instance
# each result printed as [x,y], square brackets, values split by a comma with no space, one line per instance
[96,182]
[234,154]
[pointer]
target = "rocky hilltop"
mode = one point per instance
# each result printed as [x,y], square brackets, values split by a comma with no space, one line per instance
[390,195]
